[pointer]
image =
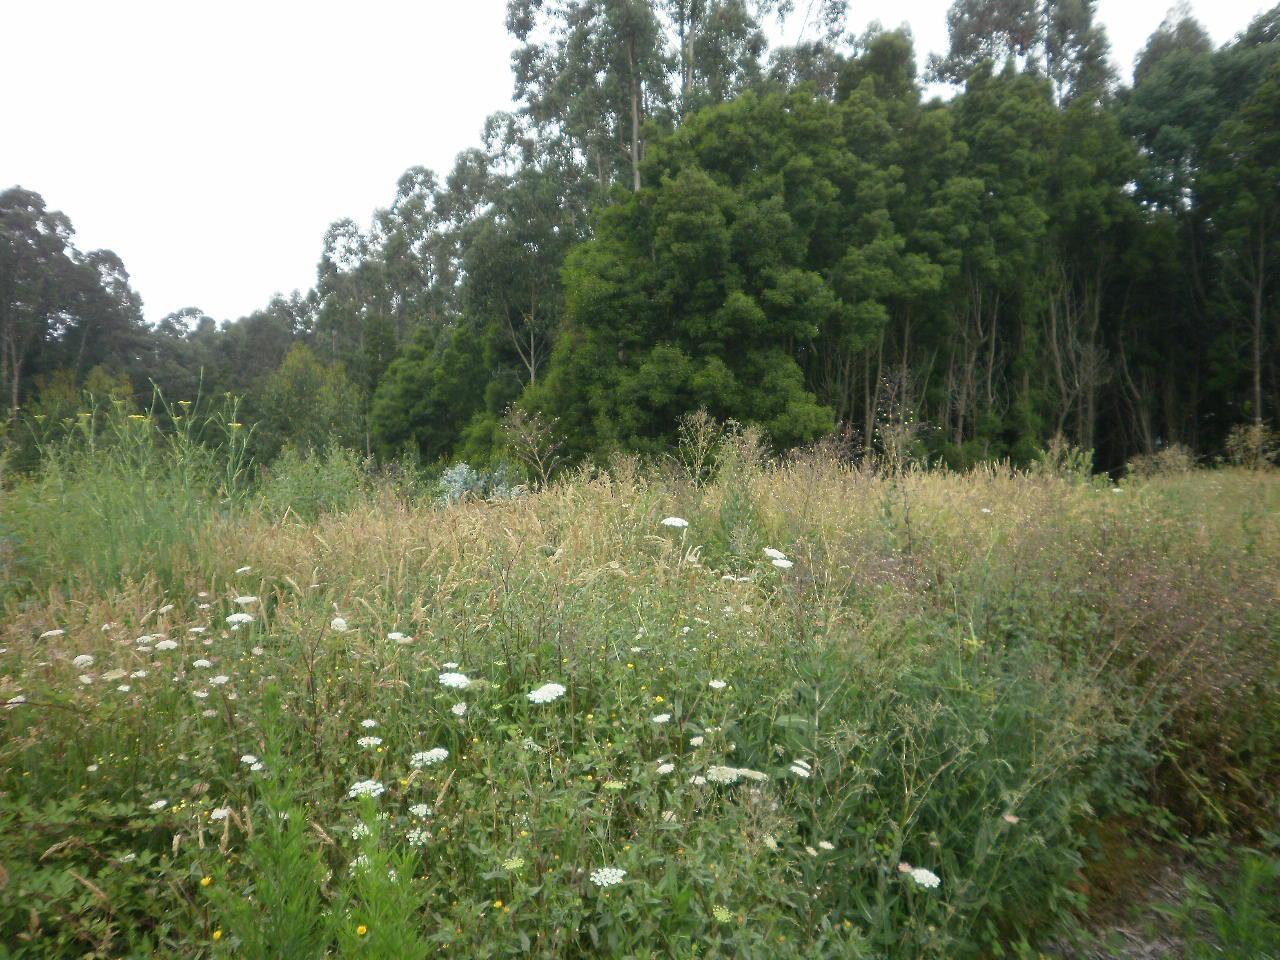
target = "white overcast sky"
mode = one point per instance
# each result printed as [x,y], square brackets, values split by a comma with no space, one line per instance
[211,144]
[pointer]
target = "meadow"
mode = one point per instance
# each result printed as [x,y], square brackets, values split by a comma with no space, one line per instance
[719,705]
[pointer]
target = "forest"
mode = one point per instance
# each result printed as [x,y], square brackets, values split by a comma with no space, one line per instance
[675,217]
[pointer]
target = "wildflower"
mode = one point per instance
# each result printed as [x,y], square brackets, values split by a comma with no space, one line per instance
[368,724]
[810,851]
[52,633]
[217,935]
[826,845]
[248,759]
[108,627]
[201,664]
[398,637]
[257,768]
[370,741]
[720,774]
[361,930]
[258,651]
[425,758]
[338,625]
[783,564]
[128,857]
[417,837]
[607,876]
[1010,818]
[801,769]
[82,661]
[85,678]
[138,674]
[665,768]
[92,768]
[698,780]
[677,522]
[458,709]
[986,509]
[926,878]
[167,645]
[546,693]
[207,714]
[358,863]
[220,813]
[695,741]
[238,618]
[721,914]
[770,841]
[773,554]
[246,601]
[366,788]
[158,805]
[219,680]
[200,694]
[197,630]
[124,688]
[661,718]
[359,831]
[420,810]
[513,863]
[751,774]
[457,681]
[167,608]
[450,666]
[243,569]
[716,684]
[205,881]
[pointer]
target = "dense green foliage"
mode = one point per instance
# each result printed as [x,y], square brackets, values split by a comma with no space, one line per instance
[984,678]
[676,217]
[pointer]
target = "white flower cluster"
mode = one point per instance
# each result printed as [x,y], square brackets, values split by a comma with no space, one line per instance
[425,758]
[801,769]
[370,741]
[457,681]
[607,876]
[678,523]
[238,618]
[366,788]
[778,558]
[547,693]
[926,878]
[417,837]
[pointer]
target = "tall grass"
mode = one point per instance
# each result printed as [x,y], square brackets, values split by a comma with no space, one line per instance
[953,674]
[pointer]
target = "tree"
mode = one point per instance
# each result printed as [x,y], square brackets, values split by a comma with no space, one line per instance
[307,403]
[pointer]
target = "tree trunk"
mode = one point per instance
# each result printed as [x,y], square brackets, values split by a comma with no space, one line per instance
[635,113]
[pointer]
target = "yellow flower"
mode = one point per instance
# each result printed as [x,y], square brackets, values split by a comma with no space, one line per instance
[657,699]
[361,930]
[217,935]
[497,904]
[205,881]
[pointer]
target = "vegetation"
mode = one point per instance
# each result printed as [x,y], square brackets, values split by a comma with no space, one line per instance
[675,217]
[847,710]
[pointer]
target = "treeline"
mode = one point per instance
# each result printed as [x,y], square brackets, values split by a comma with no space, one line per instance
[675,218]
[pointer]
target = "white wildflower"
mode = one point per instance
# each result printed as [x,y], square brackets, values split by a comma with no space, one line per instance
[716,684]
[167,645]
[139,675]
[246,601]
[366,788]
[721,774]
[458,709]
[420,810]
[167,608]
[450,666]
[52,633]
[248,758]
[457,681]
[257,767]
[338,625]
[243,569]
[200,694]
[665,768]
[398,637]
[546,693]
[82,661]
[607,876]
[926,878]
[258,651]
[219,680]
[661,718]
[238,618]
[201,664]
[197,630]
[425,758]
[826,845]
[783,564]
[417,837]
[220,813]
[773,554]
[158,805]
[360,831]
[85,678]
[368,724]
[370,741]
[124,688]
[695,741]
[677,522]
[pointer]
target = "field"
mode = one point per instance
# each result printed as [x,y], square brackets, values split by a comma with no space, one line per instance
[843,712]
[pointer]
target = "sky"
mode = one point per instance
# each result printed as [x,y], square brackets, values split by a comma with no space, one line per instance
[211,145]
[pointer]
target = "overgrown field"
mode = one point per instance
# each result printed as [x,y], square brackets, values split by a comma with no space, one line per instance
[842,713]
